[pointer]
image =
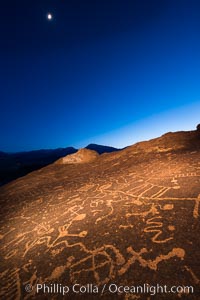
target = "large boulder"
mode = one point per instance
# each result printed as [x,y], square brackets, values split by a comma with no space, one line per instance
[82,156]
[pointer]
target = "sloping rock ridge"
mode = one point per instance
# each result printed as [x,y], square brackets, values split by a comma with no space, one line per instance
[128,218]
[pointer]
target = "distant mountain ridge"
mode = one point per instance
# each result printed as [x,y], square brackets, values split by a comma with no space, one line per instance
[101,149]
[3,154]
[15,165]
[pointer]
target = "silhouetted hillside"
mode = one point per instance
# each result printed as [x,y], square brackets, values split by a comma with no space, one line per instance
[15,165]
[101,149]
[3,154]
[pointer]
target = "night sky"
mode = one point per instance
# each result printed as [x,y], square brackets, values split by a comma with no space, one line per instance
[111,72]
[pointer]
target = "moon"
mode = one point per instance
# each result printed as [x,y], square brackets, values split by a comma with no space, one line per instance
[49,16]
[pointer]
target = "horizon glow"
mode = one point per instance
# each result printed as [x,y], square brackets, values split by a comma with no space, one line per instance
[87,77]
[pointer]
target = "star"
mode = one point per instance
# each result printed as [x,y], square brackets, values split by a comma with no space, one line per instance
[49,16]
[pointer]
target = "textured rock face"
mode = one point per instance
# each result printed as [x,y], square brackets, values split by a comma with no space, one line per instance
[80,157]
[170,141]
[130,218]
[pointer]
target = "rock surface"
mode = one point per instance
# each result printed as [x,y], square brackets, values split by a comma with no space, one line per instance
[127,218]
[82,156]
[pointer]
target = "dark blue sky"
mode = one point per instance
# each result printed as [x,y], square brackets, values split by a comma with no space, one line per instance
[96,67]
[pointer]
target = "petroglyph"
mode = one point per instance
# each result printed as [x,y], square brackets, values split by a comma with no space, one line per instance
[155,225]
[196,208]
[196,280]
[11,285]
[126,217]
[152,264]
